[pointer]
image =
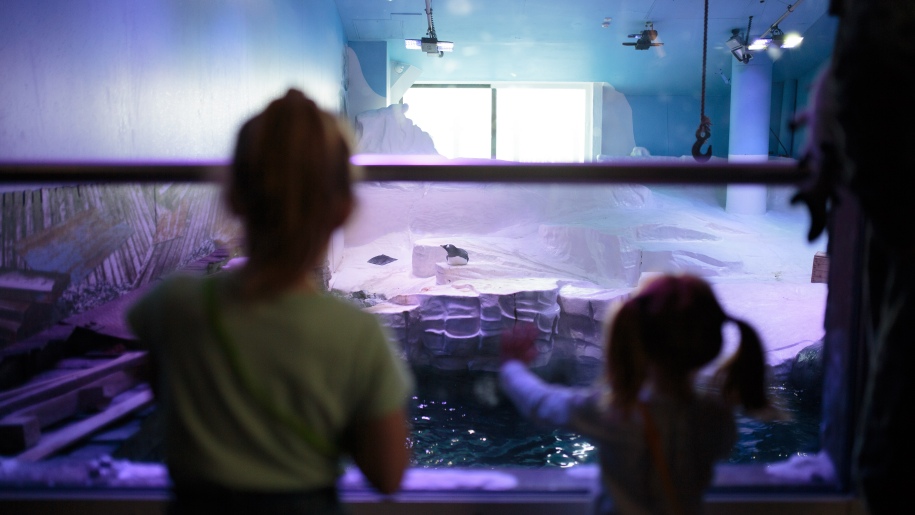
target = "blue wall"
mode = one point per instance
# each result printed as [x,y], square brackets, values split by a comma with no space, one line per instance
[666,124]
[172,79]
[373,60]
[156,79]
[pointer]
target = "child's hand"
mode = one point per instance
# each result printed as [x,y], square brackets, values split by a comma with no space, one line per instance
[518,343]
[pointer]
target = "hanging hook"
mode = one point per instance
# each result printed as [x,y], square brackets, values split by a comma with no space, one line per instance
[703,133]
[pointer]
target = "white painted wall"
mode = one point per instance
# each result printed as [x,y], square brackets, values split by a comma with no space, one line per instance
[156,79]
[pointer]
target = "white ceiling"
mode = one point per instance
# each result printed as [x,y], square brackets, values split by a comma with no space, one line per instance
[563,40]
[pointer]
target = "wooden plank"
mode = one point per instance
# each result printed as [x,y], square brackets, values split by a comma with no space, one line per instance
[45,209]
[18,433]
[172,208]
[820,273]
[142,221]
[22,429]
[24,398]
[77,246]
[111,198]
[91,397]
[31,285]
[30,387]
[13,309]
[6,240]
[9,329]
[38,209]
[17,210]
[51,443]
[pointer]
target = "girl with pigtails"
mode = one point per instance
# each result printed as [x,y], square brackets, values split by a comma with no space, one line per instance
[658,432]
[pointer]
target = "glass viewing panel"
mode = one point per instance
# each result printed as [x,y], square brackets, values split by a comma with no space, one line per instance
[561,255]
[556,254]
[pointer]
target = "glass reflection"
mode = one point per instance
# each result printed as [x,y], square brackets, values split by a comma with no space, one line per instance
[556,254]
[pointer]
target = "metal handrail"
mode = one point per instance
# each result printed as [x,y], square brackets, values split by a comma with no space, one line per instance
[412,169]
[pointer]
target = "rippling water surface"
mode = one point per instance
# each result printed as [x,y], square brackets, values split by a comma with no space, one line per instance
[462,420]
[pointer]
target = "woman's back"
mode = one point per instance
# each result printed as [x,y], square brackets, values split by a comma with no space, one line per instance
[313,357]
[266,382]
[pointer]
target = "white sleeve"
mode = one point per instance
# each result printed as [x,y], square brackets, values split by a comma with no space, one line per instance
[538,400]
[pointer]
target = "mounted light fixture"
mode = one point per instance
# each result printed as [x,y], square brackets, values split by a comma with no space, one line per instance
[759,44]
[430,44]
[778,39]
[738,47]
[772,37]
[783,40]
[645,39]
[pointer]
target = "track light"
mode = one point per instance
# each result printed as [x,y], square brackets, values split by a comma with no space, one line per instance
[778,39]
[772,39]
[774,36]
[783,40]
[430,44]
[738,47]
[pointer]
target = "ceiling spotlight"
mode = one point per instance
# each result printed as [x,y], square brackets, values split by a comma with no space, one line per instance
[430,44]
[789,40]
[645,39]
[759,44]
[778,37]
[775,37]
[738,47]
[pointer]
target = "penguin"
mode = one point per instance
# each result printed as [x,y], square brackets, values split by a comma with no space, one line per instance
[456,256]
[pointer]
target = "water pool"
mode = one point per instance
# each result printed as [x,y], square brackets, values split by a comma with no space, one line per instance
[462,420]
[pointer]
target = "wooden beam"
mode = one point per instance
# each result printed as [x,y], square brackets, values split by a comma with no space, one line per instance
[18,433]
[22,429]
[26,396]
[54,442]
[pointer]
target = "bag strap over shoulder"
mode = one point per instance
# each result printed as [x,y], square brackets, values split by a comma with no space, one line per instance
[653,439]
[260,396]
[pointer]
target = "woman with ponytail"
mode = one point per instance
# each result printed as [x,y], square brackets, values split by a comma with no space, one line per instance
[659,434]
[267,384]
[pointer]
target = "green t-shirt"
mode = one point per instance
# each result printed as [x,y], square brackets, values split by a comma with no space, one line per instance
[316,358]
